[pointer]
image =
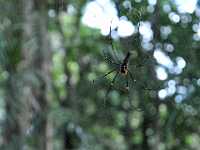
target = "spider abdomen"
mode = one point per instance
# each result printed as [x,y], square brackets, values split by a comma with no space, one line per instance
[124,69]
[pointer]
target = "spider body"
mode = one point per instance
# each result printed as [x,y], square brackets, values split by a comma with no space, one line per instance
[124,66]
[120,68]
[123,69]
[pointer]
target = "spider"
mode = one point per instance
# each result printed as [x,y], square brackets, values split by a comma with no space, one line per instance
[122,68]
[119,68]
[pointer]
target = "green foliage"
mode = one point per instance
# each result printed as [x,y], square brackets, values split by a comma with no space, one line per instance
[82,115]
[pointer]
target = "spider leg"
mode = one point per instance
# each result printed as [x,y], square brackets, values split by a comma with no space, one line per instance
[110,86]
[127,85]
[144,87]
[109,60]
[109,72]
[105,74]
[129,96]
[112,45]
[131,76]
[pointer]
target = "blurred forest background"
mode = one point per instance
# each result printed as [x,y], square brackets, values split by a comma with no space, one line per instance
[52,50]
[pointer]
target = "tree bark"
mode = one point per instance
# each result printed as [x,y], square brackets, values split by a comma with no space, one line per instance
[36,60]
[12,132]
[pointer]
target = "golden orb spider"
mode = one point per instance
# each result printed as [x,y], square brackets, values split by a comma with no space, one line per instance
[121,68]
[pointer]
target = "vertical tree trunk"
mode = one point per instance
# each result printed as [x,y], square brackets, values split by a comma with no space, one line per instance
[26,103]
[12,136]
[29,80]
[36,59]
[12,132]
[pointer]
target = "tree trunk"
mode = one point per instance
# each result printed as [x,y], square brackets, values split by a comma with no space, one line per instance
[29,81]
[12,132]
[36,60]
